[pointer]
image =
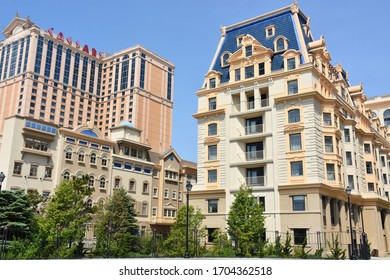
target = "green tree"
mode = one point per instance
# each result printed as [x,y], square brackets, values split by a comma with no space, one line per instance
[175,244]
[116,229]
[222,245]
[17,223]
[16,213]
[245,222]
[62,226]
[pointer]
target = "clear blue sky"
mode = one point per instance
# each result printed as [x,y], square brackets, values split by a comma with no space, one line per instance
[186,32]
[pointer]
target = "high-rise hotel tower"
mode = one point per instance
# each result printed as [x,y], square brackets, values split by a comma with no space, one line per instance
[52,78]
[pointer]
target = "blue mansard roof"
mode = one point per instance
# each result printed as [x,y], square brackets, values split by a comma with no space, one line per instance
[284,26]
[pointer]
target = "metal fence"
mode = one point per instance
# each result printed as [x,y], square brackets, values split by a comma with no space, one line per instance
[153,240]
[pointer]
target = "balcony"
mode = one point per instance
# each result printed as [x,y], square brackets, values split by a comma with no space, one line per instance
[254,155]
[253,129]
[250,106]
[255,181]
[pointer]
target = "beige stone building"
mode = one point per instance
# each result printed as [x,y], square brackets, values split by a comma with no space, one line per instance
[171,174]
[275,114]
[49,77]
[37,155]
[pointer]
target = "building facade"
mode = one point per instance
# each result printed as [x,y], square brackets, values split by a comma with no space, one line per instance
[48,77]
[276,115]
[38,155]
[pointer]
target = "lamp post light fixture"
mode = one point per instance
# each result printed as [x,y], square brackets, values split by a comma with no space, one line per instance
[353,253]
[2,177]
[189,188]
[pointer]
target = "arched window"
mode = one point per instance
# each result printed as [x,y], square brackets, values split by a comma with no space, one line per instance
[133,204]
[386,117]
[144,210]
[81,155]
[294,116]
[102,184]
[93,158]
[66,175]
[68,153]
[212,129]
[89,203]
[79,175]
[225,58]
[104,161]
[280,44]
[91,181]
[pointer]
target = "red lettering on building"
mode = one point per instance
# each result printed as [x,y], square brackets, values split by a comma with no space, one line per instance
[50,30]
[93,52]
[86,48]
[77,44]
[69,40]
[100,55]
[60,36]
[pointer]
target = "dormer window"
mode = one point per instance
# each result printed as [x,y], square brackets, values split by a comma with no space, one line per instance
[291,63]
[280,44]
[248,51]
[224,59]
[239,40]
[270,31]
[212,83]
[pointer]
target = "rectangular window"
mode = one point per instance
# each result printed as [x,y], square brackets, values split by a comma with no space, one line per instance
[17,168]
[212,176]
[327,119]
[212,152]
[212,205]
[290,63]
[347,136]
[296,168]
[33,170]
[48,172]
[237,74]
[348,158]
[299,235]
[292,87]
[212,103]
[328,144]
[295,142]
[330,172]
[367,148]
[166,193]
[248,51]
[155,192]
[371,187]
[351,183]
[261,69]
[49,54]
[249,72]
[212,83]
[298,202]
[385,179]
[142,72]
[369,167]
[38,56]
[154,211]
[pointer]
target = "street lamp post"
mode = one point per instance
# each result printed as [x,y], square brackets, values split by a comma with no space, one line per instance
[353,253]
[2,177]
[189,188]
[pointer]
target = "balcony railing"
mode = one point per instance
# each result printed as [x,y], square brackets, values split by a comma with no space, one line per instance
[253,129]
[255,181]
[250,105]
[255,155]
